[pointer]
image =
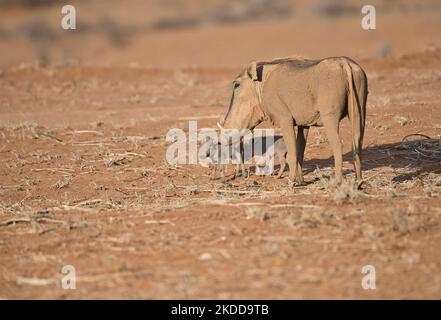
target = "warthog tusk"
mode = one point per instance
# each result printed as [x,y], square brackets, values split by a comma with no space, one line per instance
[220,126]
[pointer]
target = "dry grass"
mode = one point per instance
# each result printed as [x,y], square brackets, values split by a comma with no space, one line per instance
[137,184]
[256,213]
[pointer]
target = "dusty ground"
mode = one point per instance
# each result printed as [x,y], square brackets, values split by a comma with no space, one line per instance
[84,182]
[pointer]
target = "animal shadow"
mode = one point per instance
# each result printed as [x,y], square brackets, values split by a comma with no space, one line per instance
[424,155]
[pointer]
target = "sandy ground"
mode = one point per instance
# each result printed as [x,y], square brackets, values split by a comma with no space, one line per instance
[84,181]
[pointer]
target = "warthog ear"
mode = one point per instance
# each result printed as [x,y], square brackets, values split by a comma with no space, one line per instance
[252,71]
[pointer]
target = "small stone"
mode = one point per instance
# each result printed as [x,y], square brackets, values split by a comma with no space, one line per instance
[205,256]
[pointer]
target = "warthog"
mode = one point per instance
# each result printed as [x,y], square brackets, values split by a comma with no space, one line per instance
[296,92]
[279,152]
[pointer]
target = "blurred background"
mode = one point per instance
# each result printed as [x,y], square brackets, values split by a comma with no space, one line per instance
[83,177]
[221,33]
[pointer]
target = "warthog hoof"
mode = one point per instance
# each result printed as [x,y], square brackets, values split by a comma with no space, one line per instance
[360,184]
[295,183]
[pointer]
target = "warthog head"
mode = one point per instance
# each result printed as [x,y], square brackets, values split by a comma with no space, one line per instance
[245,110]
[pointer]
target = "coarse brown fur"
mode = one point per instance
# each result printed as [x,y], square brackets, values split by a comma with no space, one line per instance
[297,92]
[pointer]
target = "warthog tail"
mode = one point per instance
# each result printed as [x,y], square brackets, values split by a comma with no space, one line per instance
[356,112]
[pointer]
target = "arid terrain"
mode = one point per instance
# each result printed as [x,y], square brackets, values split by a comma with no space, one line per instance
[84,180]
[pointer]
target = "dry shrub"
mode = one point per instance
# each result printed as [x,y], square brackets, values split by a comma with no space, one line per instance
[399,221]
[404,120]
[256,213]
[62,183]
[346,191]
[311,218]
[410,219]
[426,148]
[113,159]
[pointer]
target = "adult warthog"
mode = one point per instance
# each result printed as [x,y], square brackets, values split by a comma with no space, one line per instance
[296,92]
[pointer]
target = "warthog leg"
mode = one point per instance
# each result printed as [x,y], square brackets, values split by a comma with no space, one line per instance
[222,169]
[302,137]
[331,124]
[212,171]
[282,161]
[214,167]
[289,135]
[237,172]
[240,171]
